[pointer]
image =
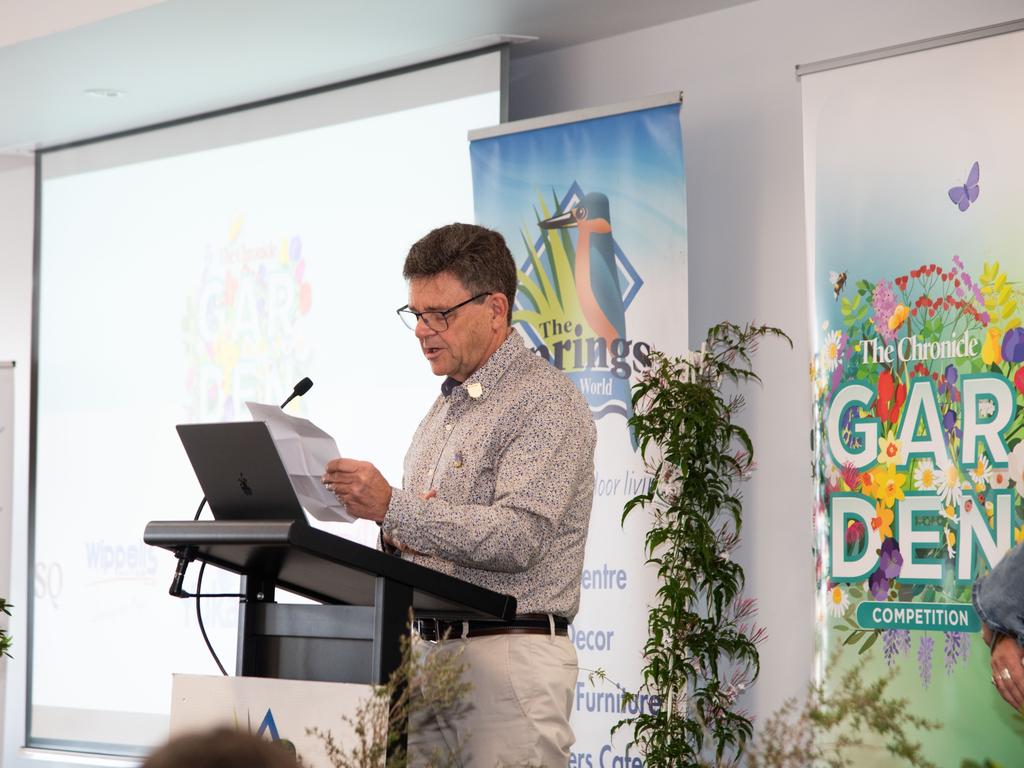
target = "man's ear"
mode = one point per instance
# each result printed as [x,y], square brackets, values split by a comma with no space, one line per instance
[498,302]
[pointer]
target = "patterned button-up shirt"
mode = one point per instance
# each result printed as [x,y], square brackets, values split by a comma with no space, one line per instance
[510,452]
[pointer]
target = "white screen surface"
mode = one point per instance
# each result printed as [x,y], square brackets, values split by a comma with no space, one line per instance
[175,286]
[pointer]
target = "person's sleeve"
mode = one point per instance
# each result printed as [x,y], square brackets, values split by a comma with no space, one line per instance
[383,546]
[999,597]
[538,476]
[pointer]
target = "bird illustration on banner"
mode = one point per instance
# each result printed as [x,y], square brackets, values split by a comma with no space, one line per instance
[579,312]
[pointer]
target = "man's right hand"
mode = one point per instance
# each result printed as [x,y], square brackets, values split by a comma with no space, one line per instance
[1008,670]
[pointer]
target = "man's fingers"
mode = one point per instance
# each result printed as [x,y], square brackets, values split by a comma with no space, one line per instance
[360,485]
[342,480]
[350,473]
[1009,693]
[1014,686]
[343,465]
[1007,670]
[334,465]
[1002,684]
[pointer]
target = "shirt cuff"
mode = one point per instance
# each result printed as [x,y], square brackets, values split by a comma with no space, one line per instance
[386,548]
[1003,625]
[398,520]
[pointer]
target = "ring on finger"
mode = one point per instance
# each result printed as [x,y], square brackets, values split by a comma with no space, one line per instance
[1004,674]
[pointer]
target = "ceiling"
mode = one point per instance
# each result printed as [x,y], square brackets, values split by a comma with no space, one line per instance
[174,58]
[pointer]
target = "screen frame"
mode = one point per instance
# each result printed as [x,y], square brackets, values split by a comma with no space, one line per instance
[52,745]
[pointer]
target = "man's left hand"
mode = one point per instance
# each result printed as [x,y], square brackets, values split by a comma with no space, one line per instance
[361,487]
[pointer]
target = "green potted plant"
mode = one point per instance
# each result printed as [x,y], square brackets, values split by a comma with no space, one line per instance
[5,639]
[702,648]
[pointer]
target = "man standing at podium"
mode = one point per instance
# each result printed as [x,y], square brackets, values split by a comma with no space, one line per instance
[497,491]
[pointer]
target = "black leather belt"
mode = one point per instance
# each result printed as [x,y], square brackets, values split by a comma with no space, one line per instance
[529,624]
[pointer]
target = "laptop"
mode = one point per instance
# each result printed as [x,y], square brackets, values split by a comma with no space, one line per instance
[240,471]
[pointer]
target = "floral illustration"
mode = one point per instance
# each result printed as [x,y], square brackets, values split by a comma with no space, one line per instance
[919,401]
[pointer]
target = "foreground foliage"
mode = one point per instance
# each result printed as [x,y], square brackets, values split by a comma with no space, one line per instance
[381,721]
[5,639]
[828,729]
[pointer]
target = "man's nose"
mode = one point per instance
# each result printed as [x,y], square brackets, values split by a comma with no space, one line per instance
[422,329]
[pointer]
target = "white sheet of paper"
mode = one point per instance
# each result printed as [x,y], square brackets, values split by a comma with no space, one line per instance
[305,450]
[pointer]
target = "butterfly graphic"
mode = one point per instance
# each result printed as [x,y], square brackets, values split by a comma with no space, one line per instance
[838,280]
[963,196]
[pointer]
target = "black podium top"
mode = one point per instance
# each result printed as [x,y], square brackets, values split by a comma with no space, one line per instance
[323,567]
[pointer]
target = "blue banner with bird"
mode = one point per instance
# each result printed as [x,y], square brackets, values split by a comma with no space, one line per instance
[594,212]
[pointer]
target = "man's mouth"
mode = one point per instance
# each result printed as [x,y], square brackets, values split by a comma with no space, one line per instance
[430,352]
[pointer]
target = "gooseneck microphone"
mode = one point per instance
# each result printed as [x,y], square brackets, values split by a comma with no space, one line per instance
[299,390]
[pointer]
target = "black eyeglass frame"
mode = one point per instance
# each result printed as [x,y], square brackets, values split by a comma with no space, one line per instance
[404,313]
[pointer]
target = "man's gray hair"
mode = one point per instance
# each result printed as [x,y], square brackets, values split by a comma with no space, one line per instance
[477,256]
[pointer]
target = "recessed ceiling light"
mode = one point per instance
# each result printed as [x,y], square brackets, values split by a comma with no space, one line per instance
[105,93]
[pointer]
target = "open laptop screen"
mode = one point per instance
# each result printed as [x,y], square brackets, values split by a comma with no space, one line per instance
[240,471]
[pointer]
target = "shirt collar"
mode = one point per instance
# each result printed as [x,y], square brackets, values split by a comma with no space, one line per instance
[484,378]
[448,385]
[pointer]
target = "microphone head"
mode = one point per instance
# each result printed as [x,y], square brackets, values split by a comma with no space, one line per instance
[303,386]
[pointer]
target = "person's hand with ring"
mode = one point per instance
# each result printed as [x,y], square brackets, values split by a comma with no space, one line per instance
[1008,670]
[360,486]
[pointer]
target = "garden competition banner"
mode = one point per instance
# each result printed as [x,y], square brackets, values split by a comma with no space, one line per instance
[913,169]
[594,211]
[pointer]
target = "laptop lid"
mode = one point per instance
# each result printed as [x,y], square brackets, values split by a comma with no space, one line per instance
[240,471]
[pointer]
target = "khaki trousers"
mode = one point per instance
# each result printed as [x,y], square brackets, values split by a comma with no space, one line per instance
[516,713]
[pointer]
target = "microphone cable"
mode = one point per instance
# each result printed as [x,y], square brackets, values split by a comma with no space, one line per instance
[184,558]
[199,617]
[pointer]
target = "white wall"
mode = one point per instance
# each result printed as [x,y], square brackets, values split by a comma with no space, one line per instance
[745,196]
[743,150]
[17,185]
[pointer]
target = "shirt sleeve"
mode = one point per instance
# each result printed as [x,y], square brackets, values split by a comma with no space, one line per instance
[543,470]
[999,597]
[383,546]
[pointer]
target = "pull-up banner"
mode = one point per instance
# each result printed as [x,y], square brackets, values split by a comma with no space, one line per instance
[913,169]
[594,211]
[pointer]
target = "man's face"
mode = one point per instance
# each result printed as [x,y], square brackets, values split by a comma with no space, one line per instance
[469,339]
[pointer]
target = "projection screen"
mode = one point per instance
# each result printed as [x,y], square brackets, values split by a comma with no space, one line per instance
[181,272]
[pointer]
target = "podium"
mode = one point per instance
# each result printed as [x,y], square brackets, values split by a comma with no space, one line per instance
[364,597]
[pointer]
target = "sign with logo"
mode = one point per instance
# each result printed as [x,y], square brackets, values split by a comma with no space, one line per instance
[277,710]
[918,375]
[594,211]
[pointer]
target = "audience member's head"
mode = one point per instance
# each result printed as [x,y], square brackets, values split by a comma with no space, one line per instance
[221,748]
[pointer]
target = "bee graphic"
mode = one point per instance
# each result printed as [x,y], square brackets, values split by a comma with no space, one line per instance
[838,280]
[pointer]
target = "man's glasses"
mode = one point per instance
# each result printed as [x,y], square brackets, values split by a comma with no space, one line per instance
[436,320]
